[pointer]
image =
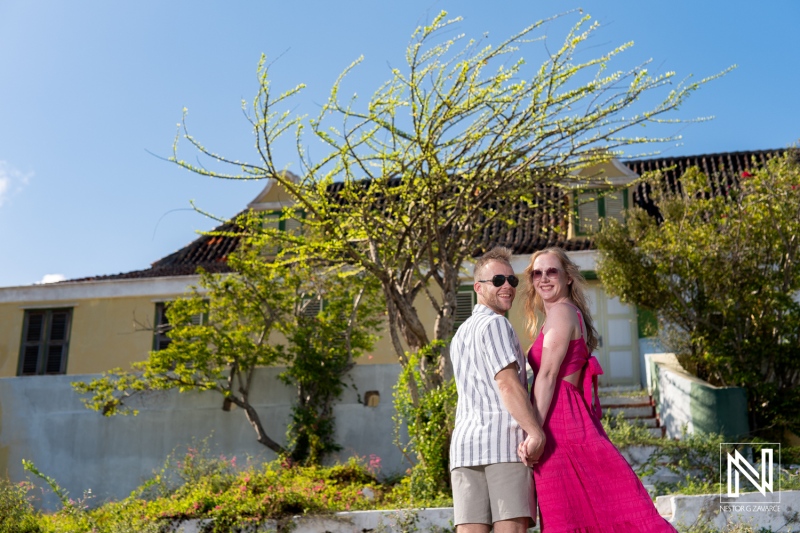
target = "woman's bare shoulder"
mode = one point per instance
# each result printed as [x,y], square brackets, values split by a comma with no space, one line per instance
[563,311]
[561,317]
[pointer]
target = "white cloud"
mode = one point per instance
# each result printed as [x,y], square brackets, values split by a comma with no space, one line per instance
[11,181]
[4,183]
[52,278]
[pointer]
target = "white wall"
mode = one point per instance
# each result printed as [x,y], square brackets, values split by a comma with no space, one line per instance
[43,420]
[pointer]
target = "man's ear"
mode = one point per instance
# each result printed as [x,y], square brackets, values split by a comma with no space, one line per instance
[477,287]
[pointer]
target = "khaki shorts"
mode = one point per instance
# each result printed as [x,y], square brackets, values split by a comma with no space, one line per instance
[489,493]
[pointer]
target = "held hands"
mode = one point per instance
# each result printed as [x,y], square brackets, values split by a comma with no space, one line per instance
[531,449]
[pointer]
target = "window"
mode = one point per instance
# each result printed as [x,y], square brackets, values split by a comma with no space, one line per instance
[45,342]
[311,307]
[592,206]
[274,220]
[160,338]
[465,301]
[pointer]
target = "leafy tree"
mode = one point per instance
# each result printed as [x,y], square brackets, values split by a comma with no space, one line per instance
[321,348]
[442,150]
[721,268]
[241,311]
[452,144]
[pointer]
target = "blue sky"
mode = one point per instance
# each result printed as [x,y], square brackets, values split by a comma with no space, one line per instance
[92,90]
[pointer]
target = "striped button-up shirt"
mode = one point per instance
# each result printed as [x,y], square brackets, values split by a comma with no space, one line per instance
[485,432]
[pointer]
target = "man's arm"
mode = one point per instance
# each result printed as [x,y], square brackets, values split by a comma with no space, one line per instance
[515,399]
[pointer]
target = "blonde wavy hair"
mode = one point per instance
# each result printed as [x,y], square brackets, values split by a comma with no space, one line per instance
[534,307]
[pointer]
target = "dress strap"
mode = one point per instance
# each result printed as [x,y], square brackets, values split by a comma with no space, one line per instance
[580,318]
[593,369]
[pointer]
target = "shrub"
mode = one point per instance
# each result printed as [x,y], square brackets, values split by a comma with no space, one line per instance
[17,515]
[718,266]
[197,484]
[429,419]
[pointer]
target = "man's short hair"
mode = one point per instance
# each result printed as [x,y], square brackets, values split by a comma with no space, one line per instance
[501,254]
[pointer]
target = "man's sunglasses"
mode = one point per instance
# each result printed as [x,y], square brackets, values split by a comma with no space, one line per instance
[499,279]
[551,272]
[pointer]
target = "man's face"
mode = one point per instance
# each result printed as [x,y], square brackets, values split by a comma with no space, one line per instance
[498,299]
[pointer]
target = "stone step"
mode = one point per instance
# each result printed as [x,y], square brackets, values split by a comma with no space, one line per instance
[645,422]
[613,389]
[645,411]
[625,401]
[635,405]
[649,422]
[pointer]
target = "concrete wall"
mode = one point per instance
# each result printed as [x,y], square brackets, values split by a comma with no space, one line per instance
[683,400]
[43,420]
[647,345]
[704,511]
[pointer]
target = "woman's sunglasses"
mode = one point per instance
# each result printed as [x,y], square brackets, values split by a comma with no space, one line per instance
[500,279]
[551,272]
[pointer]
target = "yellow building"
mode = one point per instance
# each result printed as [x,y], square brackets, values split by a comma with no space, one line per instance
[91,325]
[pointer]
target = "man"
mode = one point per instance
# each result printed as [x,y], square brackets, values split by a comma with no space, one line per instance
[490,484]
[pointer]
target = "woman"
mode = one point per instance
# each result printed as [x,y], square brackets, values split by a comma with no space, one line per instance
[584,485]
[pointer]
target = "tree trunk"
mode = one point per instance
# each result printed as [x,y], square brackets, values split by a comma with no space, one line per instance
[255,421]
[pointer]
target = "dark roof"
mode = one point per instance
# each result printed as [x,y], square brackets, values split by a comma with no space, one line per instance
[532,232]
[723,172]
[207,251]
[537,227]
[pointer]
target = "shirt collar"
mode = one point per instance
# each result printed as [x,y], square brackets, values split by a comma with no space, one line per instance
[481,309]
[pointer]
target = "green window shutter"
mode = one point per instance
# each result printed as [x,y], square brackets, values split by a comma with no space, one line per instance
[311,307]
[56,361]
[587,213]
[615,204]
[592,207]
[161,332]
[465,301]
[160,338]
[45,342]
[33,335]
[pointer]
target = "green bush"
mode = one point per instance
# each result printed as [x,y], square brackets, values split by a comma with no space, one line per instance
[719,269]
[17,515]
[197,484]
[429,417]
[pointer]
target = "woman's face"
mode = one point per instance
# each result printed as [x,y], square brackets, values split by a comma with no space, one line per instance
[549,278]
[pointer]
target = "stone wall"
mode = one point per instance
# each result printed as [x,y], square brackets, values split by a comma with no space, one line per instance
[43,420]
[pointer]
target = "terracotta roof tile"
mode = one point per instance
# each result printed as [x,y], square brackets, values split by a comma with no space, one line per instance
[529,234]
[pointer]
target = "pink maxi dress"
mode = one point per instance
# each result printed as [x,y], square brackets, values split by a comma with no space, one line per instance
[583,483]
